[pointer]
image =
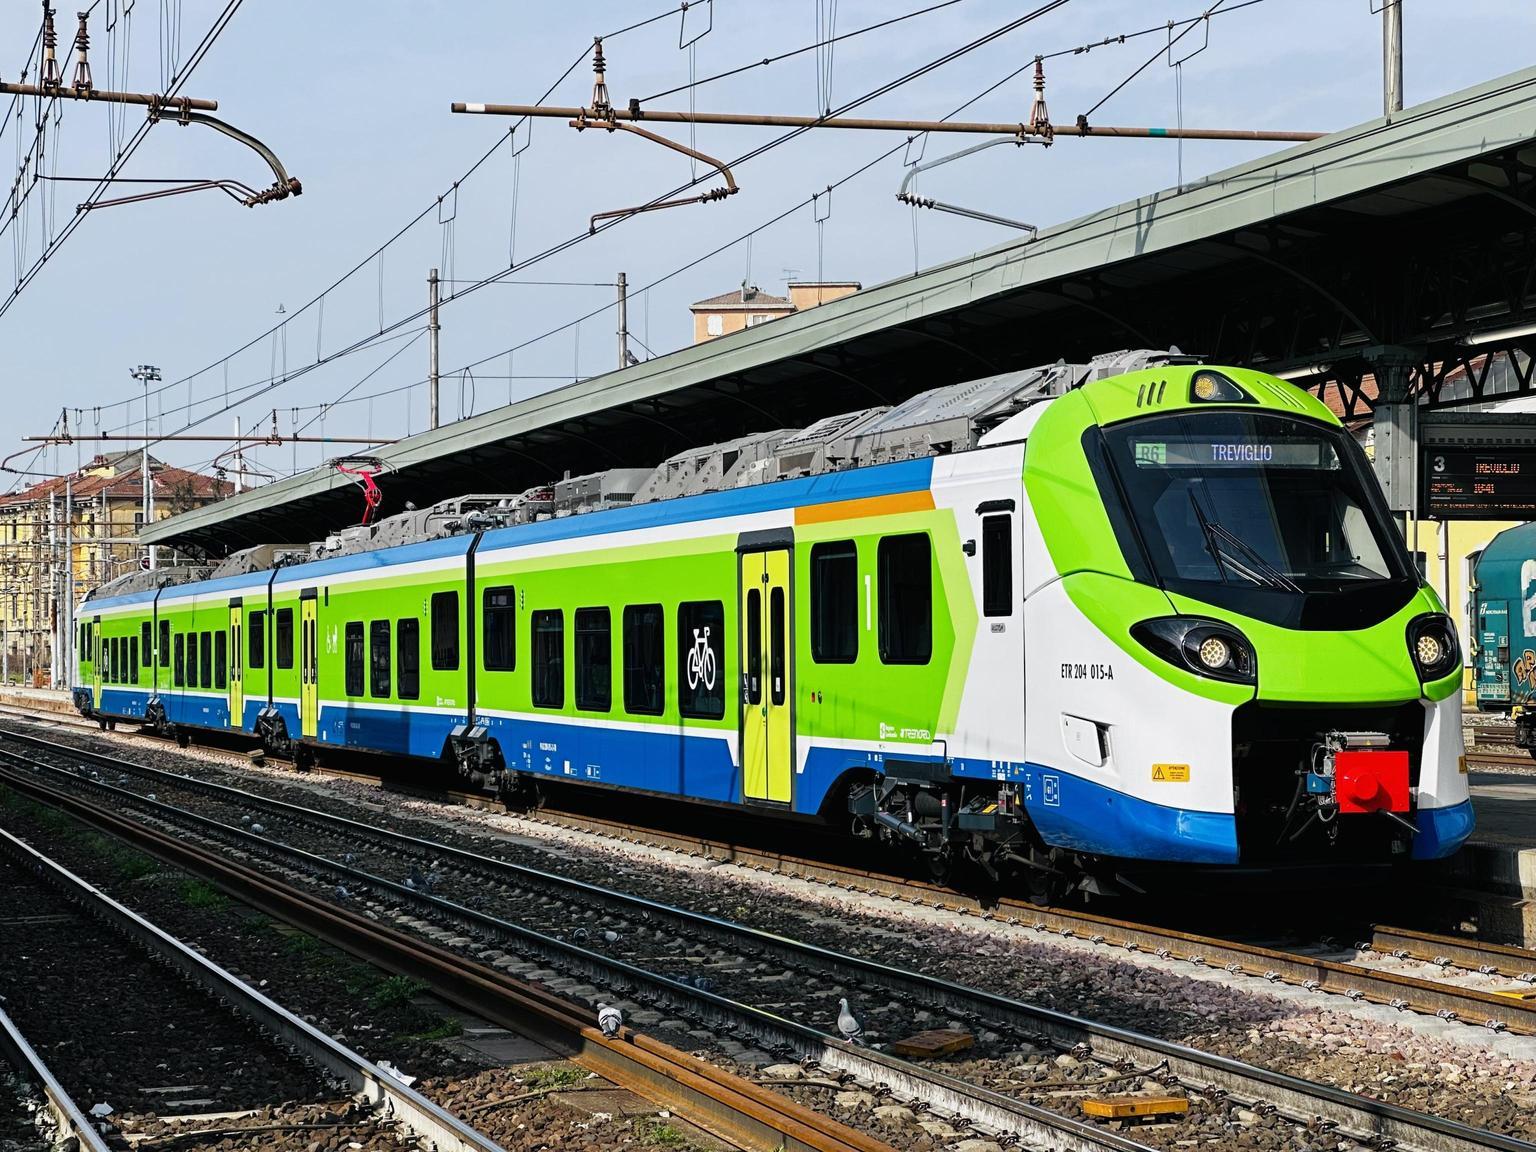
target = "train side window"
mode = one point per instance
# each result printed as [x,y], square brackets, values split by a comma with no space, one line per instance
[594,659]
[146,641]
[165,642]
[834,602]
[205,661]
[776,645]
[354,658]
[997,565]
[701,659]
[256,639]
[498,608]
[117,652]
[445,631]
[220,659]
[906,599]
[282,636]
[408,659]
[644,676]
[378,659]
[548,658]
[754,670]
[179,670]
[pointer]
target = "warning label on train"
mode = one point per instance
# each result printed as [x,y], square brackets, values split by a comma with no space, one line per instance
[1170,773]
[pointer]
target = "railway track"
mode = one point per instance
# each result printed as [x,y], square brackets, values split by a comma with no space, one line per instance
[1510,1008]
[1307,1105]
[390,1100]
[742,1113]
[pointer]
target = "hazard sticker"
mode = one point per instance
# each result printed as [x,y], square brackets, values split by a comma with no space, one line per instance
[1170,773]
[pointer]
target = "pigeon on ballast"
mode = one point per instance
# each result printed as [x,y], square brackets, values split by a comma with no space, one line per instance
[347,857]
[579,935]
[609,1019]
[847,1023]
[258,829]
[611,936]
[151,796]
[342,893]
[245,819]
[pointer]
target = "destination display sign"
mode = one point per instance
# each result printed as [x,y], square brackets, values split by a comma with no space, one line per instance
[1479,483]
[1207,453]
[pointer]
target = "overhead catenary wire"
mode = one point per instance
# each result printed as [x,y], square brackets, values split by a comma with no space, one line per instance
[561,246]
[123,156]
[398,234]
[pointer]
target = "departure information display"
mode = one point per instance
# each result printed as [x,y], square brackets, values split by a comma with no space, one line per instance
[1479,483]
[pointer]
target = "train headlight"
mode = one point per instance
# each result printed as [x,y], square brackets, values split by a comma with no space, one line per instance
[1215,652]
[1204,647]
[1432,642]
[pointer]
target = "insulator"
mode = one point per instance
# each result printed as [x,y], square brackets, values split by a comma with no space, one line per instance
[82,81]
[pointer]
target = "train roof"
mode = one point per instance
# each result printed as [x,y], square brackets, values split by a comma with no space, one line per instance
[853,455]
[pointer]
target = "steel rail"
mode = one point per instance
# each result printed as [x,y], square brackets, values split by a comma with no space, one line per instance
[976,1105]
[735,1109]
[67,1118]
[1473,955]
[412,1109]
[1298,1099]
[1499,1011]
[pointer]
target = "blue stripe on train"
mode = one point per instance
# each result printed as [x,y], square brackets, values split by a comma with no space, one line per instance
[399,731]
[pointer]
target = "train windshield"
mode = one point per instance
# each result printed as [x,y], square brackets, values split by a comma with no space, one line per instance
[1271,516]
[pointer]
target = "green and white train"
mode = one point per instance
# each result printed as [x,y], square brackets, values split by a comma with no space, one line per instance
[1055,620]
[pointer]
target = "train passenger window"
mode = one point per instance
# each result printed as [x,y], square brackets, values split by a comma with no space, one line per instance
[906,599]
[445,631]
[594,659]
[834,602]
[499,621]
[355,658]
[378,659]
[146,640]
[179,669]
[776,646]
[701,659]
[282,637]
[220,659]
[754,670]
[165,642]
[549,658]
[112,660]
[256,633]
[408,659]
[205,661]
[644,676]
[997,565]
[133,661]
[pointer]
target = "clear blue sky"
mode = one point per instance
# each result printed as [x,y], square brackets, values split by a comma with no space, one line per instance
[354,98]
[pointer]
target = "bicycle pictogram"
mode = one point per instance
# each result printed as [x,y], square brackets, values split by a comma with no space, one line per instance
[701,661]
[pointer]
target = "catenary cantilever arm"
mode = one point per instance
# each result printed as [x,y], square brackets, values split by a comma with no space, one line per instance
[907,197]
[729,189]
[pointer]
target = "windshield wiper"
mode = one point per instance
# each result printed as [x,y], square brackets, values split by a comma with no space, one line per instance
[1257,569]
[1273,575]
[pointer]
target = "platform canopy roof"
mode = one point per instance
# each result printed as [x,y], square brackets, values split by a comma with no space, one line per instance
[1411,237]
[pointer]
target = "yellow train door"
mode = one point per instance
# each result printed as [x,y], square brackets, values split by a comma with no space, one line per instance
[236,665]
[767,677]
[309,667]
[96,648]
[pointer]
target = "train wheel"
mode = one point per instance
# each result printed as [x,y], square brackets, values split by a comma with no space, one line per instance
[102,721]
[303,758]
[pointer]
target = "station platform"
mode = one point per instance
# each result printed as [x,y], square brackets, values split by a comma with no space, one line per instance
[1497,869]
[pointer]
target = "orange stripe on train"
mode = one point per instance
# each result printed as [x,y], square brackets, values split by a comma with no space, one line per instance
[920,501]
